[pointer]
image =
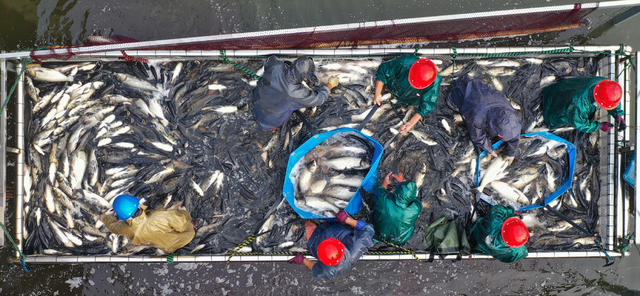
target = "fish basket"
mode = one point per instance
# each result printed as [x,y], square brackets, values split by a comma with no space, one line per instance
[615,219]
[566,183]
[368,183]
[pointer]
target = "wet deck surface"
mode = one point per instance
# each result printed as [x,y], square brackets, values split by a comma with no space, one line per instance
[476,277]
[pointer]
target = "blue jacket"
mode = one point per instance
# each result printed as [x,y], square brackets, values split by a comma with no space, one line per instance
[487,114]
[280,91]
[355,241]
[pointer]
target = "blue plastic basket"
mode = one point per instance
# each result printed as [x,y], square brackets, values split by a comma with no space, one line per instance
[566,185]
[368,183]
[630,172]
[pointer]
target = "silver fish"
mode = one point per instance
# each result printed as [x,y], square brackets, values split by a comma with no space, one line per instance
[135,82]
[352,181]
[510,193]
[340,192]
[495,171]
[78,166]
[45,74]
[347,163]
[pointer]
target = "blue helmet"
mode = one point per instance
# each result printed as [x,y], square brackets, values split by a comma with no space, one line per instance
[125,206]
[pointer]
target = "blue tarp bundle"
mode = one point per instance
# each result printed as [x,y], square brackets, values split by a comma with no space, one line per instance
[630,172]
[368,183]
[566,185]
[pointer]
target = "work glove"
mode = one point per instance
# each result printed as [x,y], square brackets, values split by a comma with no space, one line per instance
[605,126]
[342,216]
[333,82]
[509,160]
[297,259]
[621,123]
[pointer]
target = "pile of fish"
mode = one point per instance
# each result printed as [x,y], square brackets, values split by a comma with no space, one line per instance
[183,132]
[166,132]
[539,168]
[328,176]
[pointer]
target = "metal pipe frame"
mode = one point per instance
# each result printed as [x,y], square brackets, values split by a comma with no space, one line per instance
[637,130]
[190,54]
[3,144]
[250,258]
[20,160]
[611,170]
[282,258]
[626,87]
[618,161]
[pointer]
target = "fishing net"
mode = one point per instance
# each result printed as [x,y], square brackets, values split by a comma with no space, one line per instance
[204,150]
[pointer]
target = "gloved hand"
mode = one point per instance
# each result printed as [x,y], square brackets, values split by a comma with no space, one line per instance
[333,82]
[342,216]
[621,123]
[297,259]
[509,160]
[605,126]
[387,180]
[491,155]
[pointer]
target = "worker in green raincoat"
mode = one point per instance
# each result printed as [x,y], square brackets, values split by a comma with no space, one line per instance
[395,212]
[500,235]
[574,102]
[412,81]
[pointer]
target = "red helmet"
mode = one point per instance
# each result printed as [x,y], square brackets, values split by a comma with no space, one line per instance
[514,232]
[422,73]
[330,252]
[607,94]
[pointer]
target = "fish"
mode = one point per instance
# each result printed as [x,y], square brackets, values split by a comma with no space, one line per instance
[226,109]
[45,74]
[351,181]
[319,204]
[317,187]
[304,181]
[48,198]
[216,87]
[545,81]
[78,167]
[340,192]
[134,82]
[197,188]
[509,192]
[422,137]
[494,172]
[347,163]
[26,183]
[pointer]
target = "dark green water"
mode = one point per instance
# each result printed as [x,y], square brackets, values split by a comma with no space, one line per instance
[29,24]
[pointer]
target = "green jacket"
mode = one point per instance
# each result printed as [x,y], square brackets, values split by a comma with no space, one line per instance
[395,213]
[395,75]
[570,102]
[486,236]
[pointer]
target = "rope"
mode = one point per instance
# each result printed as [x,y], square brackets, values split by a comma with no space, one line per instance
[625,243]
[170,258]
[609,259]
[405,250]
[127,58]
[225,59]
[13,87]
[240,246]
[21,258]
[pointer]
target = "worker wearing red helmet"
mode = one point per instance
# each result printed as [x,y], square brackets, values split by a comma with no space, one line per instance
[500,235]
[411,81]
[574,102]
[336,245]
